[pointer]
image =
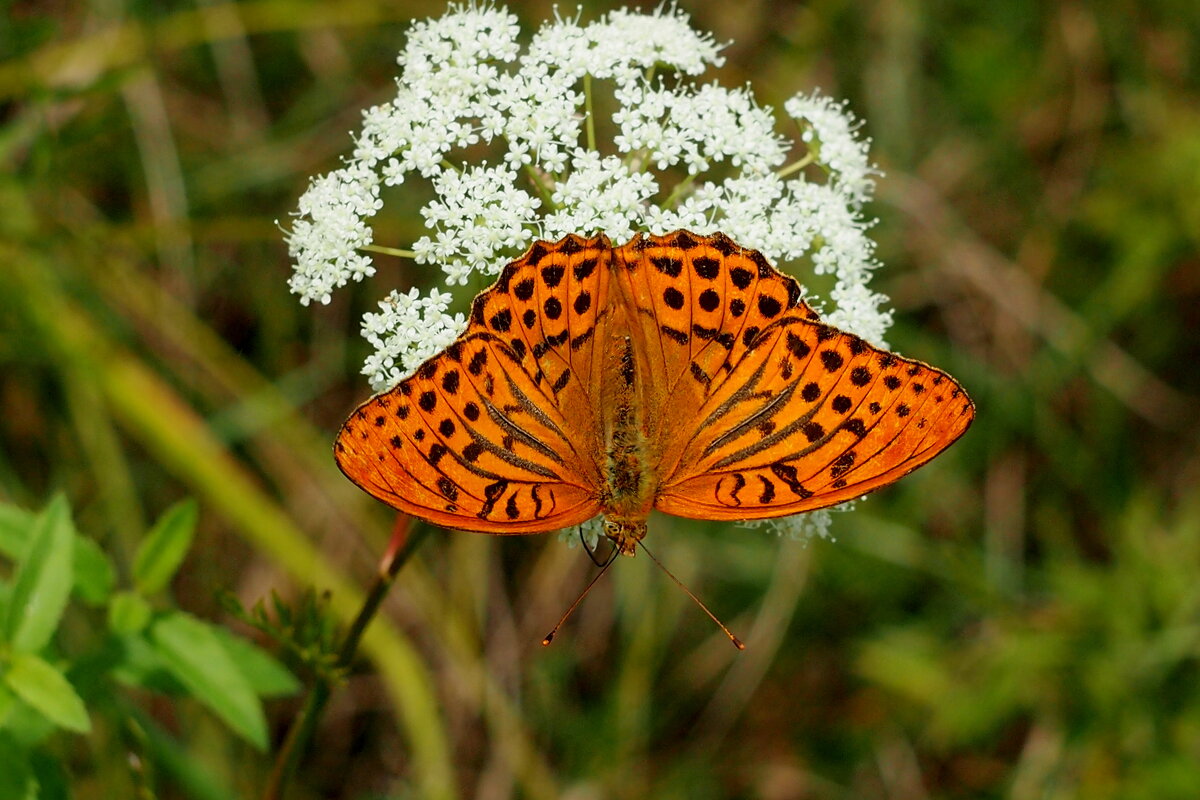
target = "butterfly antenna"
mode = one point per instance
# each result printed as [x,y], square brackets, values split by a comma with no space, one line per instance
[550,636]
[736,641]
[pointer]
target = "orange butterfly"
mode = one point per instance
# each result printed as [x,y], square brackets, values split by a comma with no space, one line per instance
[681,373]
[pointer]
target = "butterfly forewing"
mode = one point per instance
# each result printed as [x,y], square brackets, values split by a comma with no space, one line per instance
[499,433]
[700,303]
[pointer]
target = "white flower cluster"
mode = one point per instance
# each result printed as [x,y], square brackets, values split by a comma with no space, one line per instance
[682,155]
[803,527]
[407,330]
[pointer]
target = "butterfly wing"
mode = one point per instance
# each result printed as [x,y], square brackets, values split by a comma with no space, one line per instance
[766,411]
[498,433]
[850,419]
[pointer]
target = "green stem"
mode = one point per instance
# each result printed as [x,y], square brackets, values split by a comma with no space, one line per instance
[678,191]
[541,187]
[389,251]
[305,724]
[591,122]
[157,418]
[799,165]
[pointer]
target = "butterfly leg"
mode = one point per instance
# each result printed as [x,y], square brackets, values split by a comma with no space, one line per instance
[592,553]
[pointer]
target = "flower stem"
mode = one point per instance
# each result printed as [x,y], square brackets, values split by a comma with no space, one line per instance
[389,251]
[540,185]
[399,550]
[678,191]
[587,101]
[791,169]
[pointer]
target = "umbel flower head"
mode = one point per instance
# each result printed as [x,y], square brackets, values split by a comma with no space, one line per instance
[506,132]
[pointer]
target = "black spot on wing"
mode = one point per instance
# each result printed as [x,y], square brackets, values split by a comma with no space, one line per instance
[768,306]
[536,254]
[685,242]
[765,270]
[585,268]
[501,321]
[677,336]
[707,268]
[831,359]
[524,289]
[671,267]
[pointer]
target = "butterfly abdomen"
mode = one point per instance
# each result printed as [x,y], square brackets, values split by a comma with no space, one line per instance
[628,491]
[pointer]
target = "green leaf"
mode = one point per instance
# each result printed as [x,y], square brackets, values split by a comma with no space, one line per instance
[164,548]
[267,676]
[16,779]
[181,765]
[15,525]
[43,580]
[128,612]
[45,688]
[94,574]
[51,777]
[141,665]
[194,654]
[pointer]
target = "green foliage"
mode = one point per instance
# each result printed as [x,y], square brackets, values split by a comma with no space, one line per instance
[53,684]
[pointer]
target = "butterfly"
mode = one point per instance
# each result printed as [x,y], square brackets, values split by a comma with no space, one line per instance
[679,373]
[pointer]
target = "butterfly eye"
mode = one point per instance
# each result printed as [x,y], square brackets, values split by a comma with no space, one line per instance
[611,527]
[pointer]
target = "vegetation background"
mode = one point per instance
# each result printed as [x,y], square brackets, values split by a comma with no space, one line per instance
[1020,619]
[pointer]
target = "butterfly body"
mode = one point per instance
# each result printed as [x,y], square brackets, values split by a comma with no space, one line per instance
[681,373]
[627,493]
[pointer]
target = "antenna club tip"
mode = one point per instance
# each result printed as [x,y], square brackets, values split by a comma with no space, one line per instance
[738,643]
[549,638]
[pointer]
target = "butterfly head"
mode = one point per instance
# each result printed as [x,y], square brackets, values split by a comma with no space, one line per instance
[625,532]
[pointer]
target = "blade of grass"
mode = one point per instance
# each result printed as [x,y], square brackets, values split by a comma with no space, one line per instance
[180,440]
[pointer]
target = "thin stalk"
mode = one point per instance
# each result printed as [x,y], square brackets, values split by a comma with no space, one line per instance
[389,251]
[791,169]
[304,725]
[543,190]
[587,104]
[153,414]
[678,191]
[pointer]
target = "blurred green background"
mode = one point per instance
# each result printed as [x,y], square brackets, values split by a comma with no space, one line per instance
[1020,619]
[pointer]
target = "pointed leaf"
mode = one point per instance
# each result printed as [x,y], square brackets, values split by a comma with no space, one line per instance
[267,676]
[46,689]
[94,573]
[194,654]
[164,548]
[16,779]
[128,612]
[51,777]
[15,526]
[43,580]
